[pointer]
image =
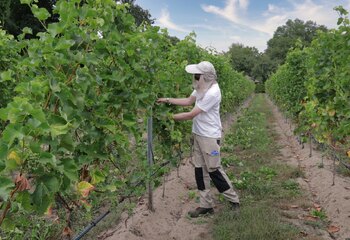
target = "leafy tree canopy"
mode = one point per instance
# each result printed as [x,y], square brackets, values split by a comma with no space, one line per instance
[243,58]
[263,68]
[286,36]
[140,14]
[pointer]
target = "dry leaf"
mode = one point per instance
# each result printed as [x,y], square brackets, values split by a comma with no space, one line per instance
[84,188]
[22,183]
[294,206]
[49,211]
[310,218]
[317,207]
[333,229]
[67,231]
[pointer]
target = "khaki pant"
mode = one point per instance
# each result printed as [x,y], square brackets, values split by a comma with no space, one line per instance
[207,164]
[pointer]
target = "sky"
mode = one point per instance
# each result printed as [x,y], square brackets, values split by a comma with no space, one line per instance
[220,23]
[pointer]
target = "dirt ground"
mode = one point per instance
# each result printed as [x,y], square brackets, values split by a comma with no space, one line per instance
[318,182]
[169,219]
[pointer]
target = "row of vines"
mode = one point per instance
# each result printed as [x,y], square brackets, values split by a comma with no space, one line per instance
[73,109]
[313,87]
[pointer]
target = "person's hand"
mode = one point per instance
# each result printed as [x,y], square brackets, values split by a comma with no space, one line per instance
[162,100]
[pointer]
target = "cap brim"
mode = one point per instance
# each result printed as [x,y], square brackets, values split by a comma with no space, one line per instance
[193,69]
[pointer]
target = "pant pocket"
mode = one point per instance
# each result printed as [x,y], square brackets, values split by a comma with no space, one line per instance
[213,160]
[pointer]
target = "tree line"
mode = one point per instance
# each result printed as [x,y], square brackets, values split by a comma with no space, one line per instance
[260,66]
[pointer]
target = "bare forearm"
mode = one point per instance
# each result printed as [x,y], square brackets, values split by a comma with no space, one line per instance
[180,101]
[187,115]
[183,116]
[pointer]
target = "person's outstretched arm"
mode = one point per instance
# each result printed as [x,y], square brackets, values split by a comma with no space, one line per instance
[187,115]
[178,101]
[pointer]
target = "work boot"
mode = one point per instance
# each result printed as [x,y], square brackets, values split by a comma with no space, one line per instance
[234,206]
[200,211]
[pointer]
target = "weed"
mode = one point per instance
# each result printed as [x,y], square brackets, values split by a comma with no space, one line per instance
[191,194]
[290,184]
[231,160]
[318,213]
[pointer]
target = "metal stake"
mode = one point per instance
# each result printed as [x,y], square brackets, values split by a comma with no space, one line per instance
[310,139]
[150,160]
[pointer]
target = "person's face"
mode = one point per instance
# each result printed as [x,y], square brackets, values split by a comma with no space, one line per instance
[196,79]
[197,76]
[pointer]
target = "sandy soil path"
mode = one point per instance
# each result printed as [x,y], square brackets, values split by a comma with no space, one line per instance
[318,182]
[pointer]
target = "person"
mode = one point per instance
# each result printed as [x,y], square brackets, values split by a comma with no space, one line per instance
[206,130]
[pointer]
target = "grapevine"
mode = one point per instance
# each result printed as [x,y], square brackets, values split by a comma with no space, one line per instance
[76,103]
[313,87]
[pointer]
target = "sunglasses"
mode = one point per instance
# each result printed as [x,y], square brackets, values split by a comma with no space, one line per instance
[197,76]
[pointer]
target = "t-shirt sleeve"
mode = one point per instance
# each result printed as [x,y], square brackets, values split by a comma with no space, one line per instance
[207,102]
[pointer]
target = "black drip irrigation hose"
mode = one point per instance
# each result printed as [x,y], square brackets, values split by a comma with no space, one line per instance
[94,223]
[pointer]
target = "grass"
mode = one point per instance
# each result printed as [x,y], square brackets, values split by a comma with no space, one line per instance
[266,187]
[255,221]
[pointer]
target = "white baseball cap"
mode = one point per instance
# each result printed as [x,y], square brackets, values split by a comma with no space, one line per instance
[201,68]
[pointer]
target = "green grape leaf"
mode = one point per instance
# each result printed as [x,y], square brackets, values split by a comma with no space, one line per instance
[40,13]
[6,185]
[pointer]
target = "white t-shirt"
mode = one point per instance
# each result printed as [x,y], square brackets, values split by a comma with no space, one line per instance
[208,123]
